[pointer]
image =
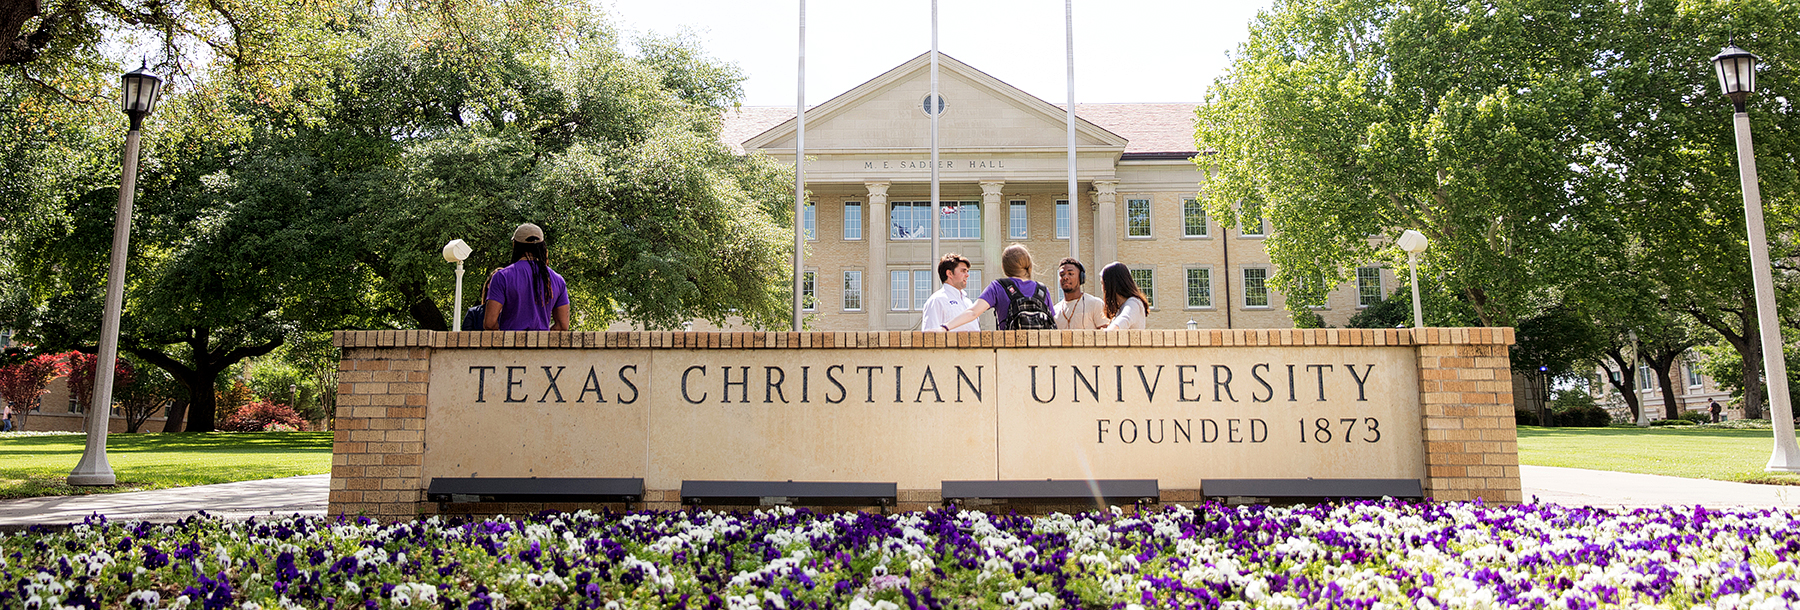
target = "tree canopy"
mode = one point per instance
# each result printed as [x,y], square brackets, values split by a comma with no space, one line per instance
[320,200]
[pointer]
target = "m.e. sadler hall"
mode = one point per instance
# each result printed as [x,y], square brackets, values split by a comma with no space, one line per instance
[1003,160]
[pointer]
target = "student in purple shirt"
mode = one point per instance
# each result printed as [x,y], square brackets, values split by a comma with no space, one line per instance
[527,295]
[1015,261]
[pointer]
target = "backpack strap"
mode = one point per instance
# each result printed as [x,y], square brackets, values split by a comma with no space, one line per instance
[1012,289]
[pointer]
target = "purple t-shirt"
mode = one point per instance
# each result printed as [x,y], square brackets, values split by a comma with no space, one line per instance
[521,304]
[995,295]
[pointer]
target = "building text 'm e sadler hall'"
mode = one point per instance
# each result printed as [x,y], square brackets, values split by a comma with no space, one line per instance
[1003,168]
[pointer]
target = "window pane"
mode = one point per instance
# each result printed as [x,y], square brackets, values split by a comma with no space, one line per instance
[1693,374]
[812,229]
[1368,286]
[922,284]
[1251,219]
[853,220]
[1016,221]
[899,296]
[911,221]
[852,290]
[1199,287]
[965,223]
[1193,218]
[809,297]
[1137,217]
[1062,219]
[973,290]
[1146,281]
[1256,289]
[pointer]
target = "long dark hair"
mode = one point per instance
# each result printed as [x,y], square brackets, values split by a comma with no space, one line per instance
[1116,280]
[540,273]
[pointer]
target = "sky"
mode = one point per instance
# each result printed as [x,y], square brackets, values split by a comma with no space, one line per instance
[1142,51]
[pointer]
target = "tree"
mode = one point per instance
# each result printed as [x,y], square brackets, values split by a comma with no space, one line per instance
[1344,120]
[22,383]
[148,391]
[1672,140]
[81,379]
[260,221]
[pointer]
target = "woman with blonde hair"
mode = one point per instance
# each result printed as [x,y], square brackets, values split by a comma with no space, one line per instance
[1125,303]
[1019,303]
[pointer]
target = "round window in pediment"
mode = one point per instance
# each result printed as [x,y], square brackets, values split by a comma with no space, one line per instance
[925,104]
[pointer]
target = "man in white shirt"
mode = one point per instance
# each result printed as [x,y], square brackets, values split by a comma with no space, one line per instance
[949,301]
[1078,310]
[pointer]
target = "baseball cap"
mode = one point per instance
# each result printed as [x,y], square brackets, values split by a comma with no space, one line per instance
[528,234]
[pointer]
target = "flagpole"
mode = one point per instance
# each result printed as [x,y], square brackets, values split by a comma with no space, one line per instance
[1074,197]
[800,176]
[931,108]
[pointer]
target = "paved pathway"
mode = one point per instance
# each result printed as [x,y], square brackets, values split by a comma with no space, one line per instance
[307,496]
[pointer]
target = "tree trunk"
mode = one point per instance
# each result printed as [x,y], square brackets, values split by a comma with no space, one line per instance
[1748,348]
[203,402]
[177,415]
[1626,383]
[1663,361]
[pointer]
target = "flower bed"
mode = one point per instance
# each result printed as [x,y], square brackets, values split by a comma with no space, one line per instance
[1365,555]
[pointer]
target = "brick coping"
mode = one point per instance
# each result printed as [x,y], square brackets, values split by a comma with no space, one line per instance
[1341,337]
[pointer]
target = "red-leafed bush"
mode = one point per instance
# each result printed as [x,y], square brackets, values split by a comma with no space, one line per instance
[81,377]
[21,384]
[263,415]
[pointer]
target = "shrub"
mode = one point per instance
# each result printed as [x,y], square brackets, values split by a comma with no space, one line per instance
[263,415]
[1583,416]
[1698,417]
[1524,418]
[1671,422]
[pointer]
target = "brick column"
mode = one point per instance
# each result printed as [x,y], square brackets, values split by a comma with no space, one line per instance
[379,447]
[875,280]
[1466,404]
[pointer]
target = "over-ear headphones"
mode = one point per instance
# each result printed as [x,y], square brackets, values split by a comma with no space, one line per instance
[1080,269]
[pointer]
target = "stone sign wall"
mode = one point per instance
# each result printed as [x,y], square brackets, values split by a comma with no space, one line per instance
[917,409]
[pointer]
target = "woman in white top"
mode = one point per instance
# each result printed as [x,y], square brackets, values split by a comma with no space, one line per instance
[1125,303]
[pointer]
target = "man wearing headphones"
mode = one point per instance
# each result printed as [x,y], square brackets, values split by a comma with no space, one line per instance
[1077,310]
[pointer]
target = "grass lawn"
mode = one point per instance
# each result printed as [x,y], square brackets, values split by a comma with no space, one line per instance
[32,466]
[1724,455]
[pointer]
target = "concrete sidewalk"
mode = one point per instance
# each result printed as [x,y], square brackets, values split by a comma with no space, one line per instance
[307,496]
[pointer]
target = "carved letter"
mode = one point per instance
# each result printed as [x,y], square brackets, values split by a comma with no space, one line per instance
[1149,386]
[974,386]
[553,388]
[772,383]
[510,383]
[684,384]
[1321,370]
[1093,389]
[1182,382]
[870,373]
[591,385]
[742,384]
[1360,380]
[1034,384]
[1265,384]
[934,389]
[842,393]
[633,386]
[481,382]
[1222,384]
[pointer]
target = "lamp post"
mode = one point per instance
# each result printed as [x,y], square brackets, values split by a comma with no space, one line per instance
[138,101]
[1737,77]
[455,252]
[1414,242]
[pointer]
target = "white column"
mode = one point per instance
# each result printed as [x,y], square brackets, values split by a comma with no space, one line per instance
[993,232]
[875,279]
[1106,223]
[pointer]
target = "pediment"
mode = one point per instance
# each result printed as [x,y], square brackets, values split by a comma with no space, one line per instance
[981,112]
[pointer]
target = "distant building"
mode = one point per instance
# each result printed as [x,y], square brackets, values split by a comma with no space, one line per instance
[1693,390]
[1003,167]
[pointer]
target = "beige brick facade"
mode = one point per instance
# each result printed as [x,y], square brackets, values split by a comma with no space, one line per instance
[1464,399]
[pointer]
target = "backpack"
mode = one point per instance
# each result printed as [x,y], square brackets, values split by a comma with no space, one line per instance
[1027,313]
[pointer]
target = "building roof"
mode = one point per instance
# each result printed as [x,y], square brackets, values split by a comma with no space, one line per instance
[1148,128]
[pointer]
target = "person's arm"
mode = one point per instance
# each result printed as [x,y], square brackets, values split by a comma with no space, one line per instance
[491,315]
[1127,315]
[974,312]
[562,318]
